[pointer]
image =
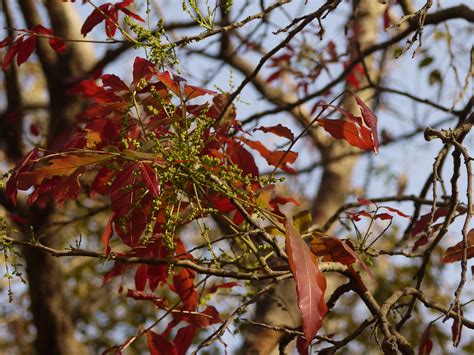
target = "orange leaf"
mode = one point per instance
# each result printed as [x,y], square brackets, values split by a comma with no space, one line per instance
[310,282]
[60,166]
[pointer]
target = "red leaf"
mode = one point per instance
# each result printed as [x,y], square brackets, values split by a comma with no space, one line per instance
[355,216]
[40,29]
[214,288]
[383,216]
[131,14]
[364,202]
[213,317]
[425,343]
[95,18]
[279,130]
[301,345]
[90,88]
[5,42]
[333,249]
[422,223]
[242,158]
[394,210]
[118,269]
[141,277]
[370,120]
[57,44]
[423,240]
[142,69]
[101,183]
[279,158]
[183,283]
[222,204]
[114,82]
[35,129]
[184,338]
[142,296]
[199,319]
[455,253]
[192,91]
[12,51]
[156,275]
[258,146]
[12,183]
[280,200]
[131,205]
[273,76]
[350,131]
[310,282]
[107,234]
[178,85]
[132,218]
[159,345]
[332,50]
[149,177]
[356,74]
[25,49]
[67,187]
[111,22]
[123,177]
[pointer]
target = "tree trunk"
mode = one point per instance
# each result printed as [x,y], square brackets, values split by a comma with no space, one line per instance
[49,306]
[48,294]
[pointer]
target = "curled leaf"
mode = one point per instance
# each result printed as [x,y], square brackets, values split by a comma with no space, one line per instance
[278,130]
[425,343]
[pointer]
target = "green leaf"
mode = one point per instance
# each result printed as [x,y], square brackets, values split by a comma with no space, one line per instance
[435,77]
[425,62]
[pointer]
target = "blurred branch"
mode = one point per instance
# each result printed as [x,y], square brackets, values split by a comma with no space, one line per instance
[221,272]
[457,12]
